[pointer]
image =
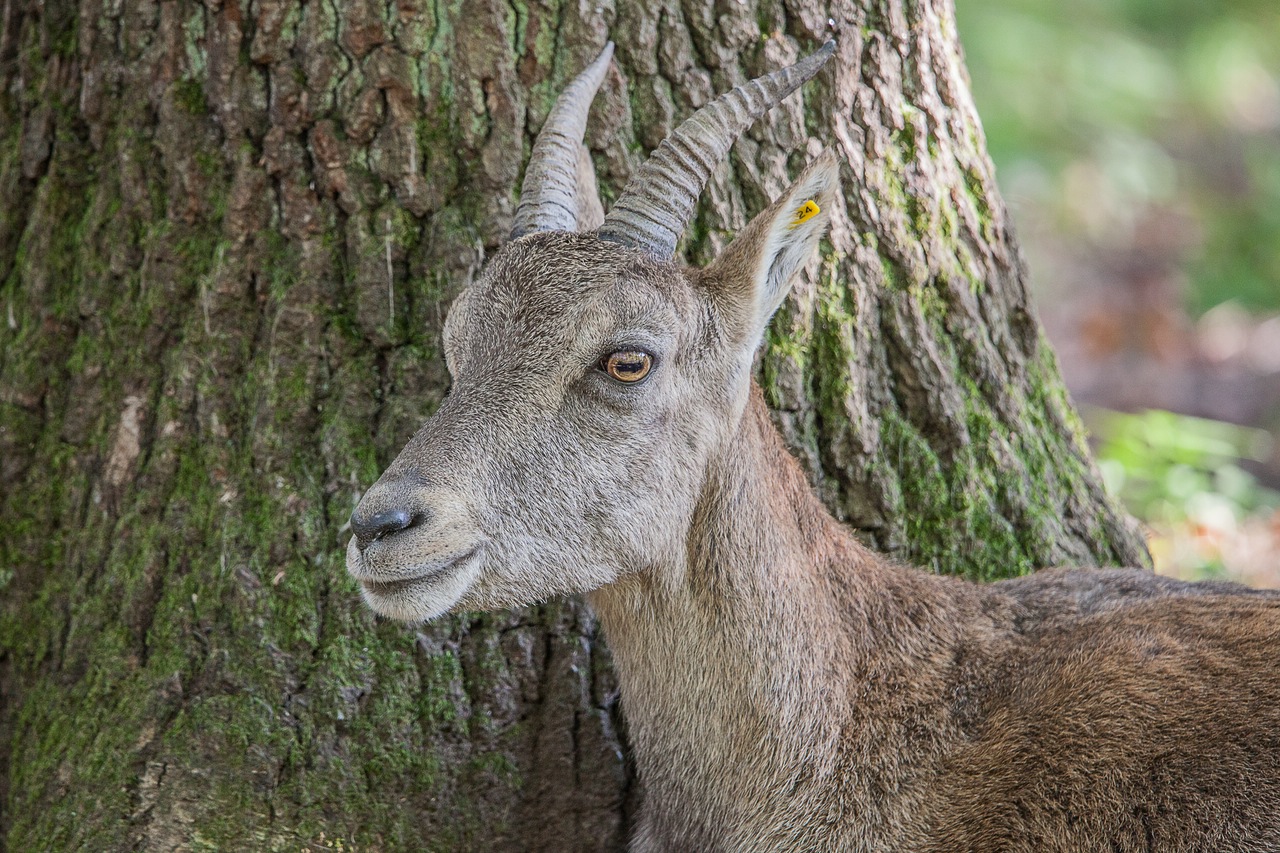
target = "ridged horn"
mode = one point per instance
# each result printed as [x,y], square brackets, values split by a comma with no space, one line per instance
[657,203]
[548,194]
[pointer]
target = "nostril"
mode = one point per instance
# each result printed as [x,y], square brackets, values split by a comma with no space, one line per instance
[372,528]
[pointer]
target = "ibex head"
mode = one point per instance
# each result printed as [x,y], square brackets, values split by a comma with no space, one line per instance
[594,379]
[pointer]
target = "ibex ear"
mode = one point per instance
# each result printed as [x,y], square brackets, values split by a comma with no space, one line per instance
[752,276]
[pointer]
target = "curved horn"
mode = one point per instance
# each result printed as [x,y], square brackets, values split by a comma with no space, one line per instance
[547,197]
[656,205]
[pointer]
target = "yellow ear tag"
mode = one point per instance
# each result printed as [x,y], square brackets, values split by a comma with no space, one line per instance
[804,213]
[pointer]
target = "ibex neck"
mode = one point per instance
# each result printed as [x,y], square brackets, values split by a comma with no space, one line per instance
[730,663]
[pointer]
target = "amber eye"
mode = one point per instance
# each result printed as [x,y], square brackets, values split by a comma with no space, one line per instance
[627,365]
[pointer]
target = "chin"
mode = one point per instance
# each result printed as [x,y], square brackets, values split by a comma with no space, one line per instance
[424,598]
[522,580]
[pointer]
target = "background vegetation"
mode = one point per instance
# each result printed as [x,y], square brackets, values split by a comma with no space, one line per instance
[1138,144]
[1099,110]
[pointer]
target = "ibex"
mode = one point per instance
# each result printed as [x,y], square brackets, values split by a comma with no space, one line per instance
[787,688]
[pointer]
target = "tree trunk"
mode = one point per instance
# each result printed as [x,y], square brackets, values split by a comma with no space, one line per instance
[229,233]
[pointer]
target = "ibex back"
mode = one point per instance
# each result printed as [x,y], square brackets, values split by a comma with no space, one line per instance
[785,687]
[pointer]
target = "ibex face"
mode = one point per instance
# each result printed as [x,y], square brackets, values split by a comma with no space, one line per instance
[593,379]
[542,473]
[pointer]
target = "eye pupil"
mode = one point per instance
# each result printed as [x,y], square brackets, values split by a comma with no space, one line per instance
[628,365]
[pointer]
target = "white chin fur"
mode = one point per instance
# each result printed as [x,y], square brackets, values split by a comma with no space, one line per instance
[426,598]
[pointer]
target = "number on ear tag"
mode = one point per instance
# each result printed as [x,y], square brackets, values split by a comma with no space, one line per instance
[804,213]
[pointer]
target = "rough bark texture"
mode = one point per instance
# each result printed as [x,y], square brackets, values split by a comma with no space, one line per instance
[228,236]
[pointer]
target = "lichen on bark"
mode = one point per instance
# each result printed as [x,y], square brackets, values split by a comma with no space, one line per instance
[229,233]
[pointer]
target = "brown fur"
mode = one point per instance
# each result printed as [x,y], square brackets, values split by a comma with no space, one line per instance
[786,688]
[835,701]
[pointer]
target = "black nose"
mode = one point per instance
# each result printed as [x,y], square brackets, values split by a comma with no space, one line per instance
[370,528]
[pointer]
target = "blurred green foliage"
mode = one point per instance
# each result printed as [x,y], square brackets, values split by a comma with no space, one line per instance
[1173,468]
[1099,110]
[1206,516]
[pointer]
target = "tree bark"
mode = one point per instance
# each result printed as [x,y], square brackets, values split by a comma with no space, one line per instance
[229,233]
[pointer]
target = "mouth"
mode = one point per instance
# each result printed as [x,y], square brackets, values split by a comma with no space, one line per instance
[426,573]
